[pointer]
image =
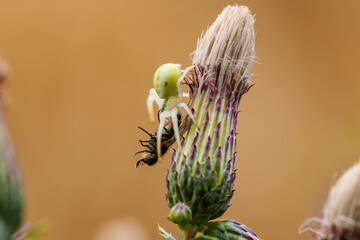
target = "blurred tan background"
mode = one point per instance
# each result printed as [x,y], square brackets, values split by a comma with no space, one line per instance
[81,72]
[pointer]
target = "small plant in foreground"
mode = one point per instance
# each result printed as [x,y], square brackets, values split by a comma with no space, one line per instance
[11,184]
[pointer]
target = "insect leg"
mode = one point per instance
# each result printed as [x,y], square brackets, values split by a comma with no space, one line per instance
[152,148]
[142,143]
[147,151]
[159,115]
[167,130]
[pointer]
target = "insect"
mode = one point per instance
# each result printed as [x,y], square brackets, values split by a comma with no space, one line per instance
[167,139]
[167,94]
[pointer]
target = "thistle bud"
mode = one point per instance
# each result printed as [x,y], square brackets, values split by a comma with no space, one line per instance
[202,174]
[181,215]
[228,229]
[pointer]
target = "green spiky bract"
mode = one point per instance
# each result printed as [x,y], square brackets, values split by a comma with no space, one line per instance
[202,172]
[204,179]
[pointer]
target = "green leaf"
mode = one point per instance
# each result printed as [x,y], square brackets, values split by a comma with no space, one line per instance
[33,232]
[229,230]
[205,237]
[38,230]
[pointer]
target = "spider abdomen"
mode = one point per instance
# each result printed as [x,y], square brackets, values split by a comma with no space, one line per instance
[165,80]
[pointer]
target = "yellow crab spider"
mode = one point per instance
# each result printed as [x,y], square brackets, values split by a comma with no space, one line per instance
[167,94]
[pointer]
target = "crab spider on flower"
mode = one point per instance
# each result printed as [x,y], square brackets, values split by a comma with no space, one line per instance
[167,94]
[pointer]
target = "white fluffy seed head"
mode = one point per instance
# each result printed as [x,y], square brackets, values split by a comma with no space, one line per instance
[341,213]
[227,49]
[342,208]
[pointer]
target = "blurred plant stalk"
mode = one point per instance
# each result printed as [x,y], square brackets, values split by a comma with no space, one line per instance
[11,187]
[200,181]
[11,194]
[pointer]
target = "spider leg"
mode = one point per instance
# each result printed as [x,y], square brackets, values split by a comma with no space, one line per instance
[185,94]
[163,117]
[174,119]
[186,70]
[186,108]
[153,97]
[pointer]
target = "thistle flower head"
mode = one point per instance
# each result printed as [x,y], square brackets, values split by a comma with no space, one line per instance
[227,51]
[341,213]
[342,209]
[202,174]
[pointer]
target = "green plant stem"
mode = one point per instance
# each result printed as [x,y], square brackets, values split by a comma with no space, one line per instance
[189,234]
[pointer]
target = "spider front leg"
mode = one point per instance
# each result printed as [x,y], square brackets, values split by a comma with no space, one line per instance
[153,96]
[163,116]
[184,72]
[181,94]
[170,115]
